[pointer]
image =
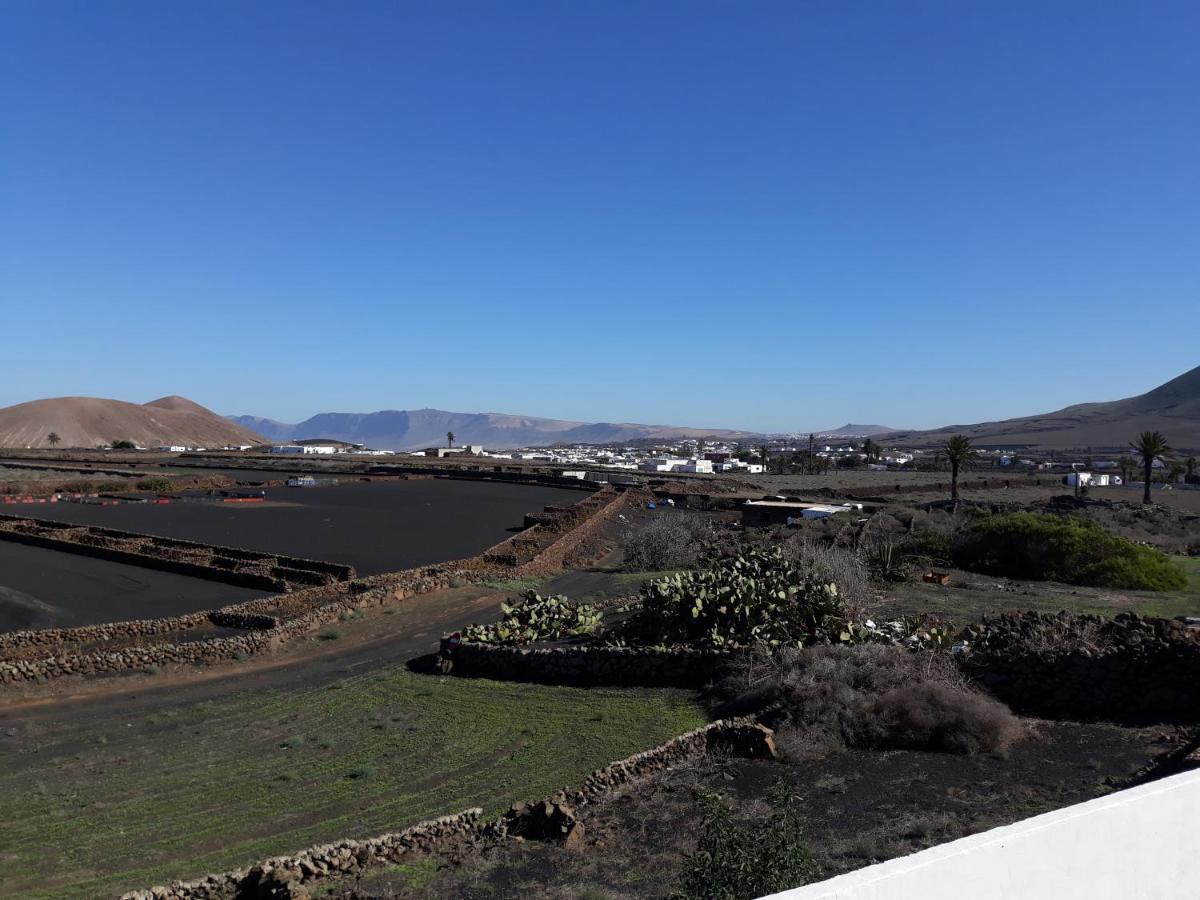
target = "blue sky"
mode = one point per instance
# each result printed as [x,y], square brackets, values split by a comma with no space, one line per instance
[763,215]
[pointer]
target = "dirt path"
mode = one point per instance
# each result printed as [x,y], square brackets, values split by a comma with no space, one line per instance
[383,636]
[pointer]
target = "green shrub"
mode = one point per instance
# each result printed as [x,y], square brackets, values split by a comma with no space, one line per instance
[1046,547]
[742,860]
[758,597]
[536,618]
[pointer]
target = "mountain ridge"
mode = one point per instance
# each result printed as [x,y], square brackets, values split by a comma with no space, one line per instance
[1172,408]
[397,429]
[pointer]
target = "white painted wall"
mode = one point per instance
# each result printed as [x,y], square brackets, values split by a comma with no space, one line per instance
[1137,844]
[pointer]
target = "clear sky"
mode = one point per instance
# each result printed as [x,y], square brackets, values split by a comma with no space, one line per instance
[773,216]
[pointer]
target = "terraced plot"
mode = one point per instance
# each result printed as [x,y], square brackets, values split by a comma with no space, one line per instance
[90,807]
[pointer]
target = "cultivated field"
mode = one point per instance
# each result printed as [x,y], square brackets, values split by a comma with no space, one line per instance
[117,796]
[42,588]
[375,527]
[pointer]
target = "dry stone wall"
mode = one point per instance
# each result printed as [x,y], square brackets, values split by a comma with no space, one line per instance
[591,666]
[230,565]
[32,656]
[291,875]
[1128,668]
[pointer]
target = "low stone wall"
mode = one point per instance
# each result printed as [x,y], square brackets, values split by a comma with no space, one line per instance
[591,666]
[742,737]
[1128,668]
[581,544]
[273,877]
[285,876]
[322,607]
[51,638]
[270,621]
[229,565]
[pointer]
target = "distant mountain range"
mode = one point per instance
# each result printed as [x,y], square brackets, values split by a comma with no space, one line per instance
[856,431]
[91,421]
[400,429]
[1172,408]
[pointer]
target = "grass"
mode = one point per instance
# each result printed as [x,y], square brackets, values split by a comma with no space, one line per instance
[409,876]
[962,605]
[114,804]
[514,585]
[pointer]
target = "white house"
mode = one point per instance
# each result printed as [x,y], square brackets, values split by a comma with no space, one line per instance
[1087,479]
[302,449]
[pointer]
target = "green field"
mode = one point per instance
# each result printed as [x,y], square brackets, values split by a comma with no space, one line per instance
[963,606]
[92,810]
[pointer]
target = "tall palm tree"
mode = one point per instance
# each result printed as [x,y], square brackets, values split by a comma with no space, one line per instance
[958,453]
[1190,468]
[870,449]
[764,453]
[53,438]
[449,438]
[1126,465]
[1150,445]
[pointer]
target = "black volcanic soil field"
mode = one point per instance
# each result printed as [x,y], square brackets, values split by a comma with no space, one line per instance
[375,527]
[47,589]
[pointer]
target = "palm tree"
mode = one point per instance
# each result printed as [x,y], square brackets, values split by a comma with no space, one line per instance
[764,453]
[53,438]
[870,449]
[449,438]
[1190,467]
[1127,465]
[959,454]
[1150,445]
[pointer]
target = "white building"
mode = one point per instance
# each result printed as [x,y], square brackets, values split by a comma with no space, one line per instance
[302,449]
[1088,479]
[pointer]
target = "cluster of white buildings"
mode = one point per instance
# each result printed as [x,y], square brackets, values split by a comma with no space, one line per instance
[686,457]
[184,448]
[327,450]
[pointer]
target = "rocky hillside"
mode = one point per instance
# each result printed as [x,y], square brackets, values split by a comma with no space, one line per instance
[398,429]
[91,421]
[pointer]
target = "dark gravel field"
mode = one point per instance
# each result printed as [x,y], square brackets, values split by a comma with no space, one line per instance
[47,589]
[375,527]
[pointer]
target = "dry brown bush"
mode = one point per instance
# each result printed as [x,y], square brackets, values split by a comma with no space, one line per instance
[870,695]
[677,540]
[934,716]
[831,563]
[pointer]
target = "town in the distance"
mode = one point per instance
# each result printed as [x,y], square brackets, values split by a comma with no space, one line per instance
[423,472]
[439,618]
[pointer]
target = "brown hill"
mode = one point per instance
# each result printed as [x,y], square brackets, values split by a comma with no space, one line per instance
[1172,408]
[91,421]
